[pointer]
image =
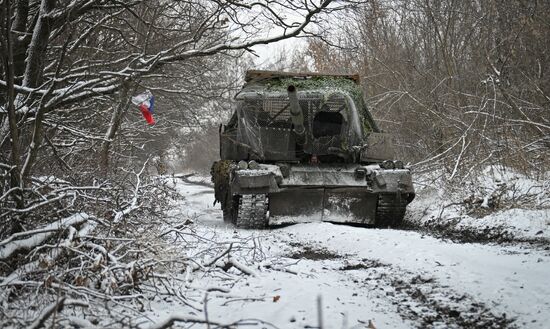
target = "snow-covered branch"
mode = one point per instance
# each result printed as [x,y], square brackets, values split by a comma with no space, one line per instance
[38,236]
[206,34]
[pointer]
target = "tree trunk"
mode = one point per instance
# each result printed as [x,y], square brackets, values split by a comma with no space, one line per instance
[36,53]
[116,120]
[15,182]
[19,27]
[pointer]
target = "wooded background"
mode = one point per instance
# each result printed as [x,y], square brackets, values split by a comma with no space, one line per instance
[463,85]
[69,71]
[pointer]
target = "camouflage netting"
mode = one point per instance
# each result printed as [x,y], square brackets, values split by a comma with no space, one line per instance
[328,114]
[328,84]
[334,113]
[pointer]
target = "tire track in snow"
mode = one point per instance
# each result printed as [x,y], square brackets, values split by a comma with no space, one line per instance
[428,281]
[418,298]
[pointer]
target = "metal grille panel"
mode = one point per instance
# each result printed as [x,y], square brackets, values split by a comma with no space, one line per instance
[274,112]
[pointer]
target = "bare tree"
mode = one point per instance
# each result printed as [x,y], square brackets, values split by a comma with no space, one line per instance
[459,82]
[78,203]
[68,95]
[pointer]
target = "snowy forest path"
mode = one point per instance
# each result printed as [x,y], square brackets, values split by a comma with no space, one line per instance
[394,278]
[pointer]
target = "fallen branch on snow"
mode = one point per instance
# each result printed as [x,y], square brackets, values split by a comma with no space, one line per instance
[55,308]
[170,320]
[9,245]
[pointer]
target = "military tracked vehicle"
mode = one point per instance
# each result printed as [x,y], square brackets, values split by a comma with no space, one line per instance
[303,147]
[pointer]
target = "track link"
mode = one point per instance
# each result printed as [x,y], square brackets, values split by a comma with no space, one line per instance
[390,210]
[252,211]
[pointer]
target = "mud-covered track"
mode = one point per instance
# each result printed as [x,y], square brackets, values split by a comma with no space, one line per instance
[252,211]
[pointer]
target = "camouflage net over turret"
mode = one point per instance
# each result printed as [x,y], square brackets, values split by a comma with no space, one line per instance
[325,84]
[265,105]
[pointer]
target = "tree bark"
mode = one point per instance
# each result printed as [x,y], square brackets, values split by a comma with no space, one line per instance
[36,53]
[19,27]
[116,120]
[12,120]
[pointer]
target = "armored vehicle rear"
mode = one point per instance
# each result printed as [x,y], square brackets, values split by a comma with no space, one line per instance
[302,147]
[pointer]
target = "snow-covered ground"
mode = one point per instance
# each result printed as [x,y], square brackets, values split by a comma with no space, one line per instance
[338,276]
[500,205]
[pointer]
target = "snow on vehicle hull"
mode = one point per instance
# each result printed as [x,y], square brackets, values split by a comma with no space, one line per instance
[339,205]
[296,193]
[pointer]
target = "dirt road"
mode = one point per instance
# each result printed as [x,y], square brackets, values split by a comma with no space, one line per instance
[337,276]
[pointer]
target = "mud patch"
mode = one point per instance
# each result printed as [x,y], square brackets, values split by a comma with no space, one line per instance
[432,306]
[312,253]
[363,265]
[427,304]
[463,222]
[449,229]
